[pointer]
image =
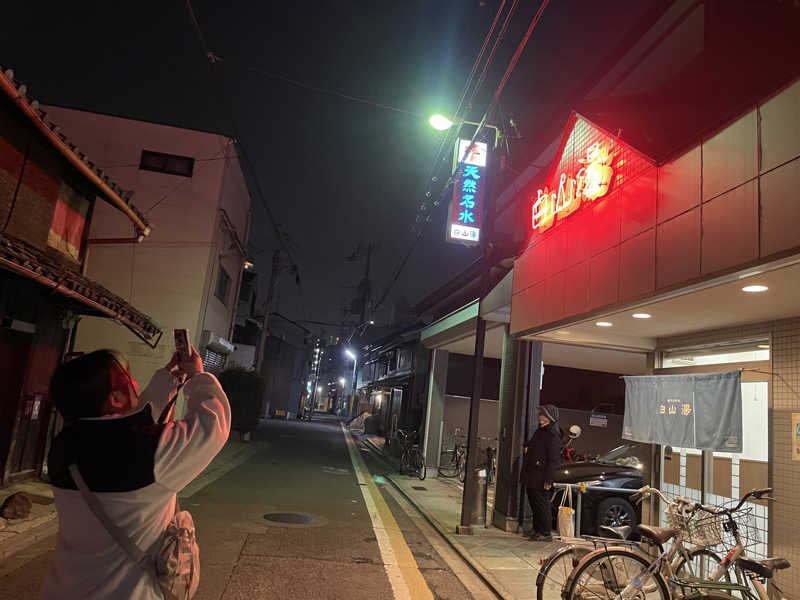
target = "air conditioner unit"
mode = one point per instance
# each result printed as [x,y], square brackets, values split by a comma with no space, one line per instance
[216,343]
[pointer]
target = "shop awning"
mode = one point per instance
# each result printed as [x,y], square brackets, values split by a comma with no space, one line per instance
[24,259]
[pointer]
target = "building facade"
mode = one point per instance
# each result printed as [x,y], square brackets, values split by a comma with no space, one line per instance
[692,264]
[50,192]
[189,272]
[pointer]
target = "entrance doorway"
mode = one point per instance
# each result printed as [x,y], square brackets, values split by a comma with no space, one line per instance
[721,478]
[15,347]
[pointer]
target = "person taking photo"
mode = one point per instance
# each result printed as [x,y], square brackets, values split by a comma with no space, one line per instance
[132,463]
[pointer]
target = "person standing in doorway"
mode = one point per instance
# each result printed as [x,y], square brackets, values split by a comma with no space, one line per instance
[542,459]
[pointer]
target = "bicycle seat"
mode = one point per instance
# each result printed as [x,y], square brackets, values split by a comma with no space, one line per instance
[617,533]
[764,568]
[660,535]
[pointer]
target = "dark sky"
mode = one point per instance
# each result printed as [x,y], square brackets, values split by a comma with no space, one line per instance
[335,172]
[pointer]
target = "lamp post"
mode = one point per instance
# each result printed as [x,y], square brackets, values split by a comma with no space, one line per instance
[473,505]
[352,356]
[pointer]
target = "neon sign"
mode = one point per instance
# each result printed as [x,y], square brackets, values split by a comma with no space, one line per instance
[589,183]
[466,207]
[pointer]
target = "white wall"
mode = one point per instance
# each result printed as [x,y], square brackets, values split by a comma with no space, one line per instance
[172,274]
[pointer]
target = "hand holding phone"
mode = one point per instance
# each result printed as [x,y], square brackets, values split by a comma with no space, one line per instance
[186,362]
[182,344]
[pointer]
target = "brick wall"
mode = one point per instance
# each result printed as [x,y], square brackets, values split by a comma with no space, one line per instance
[784,399]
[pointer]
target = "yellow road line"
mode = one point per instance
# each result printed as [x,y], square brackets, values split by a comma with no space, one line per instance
[404,576]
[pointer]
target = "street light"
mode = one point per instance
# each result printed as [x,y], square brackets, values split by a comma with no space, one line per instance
[442,123]
[351,355]
[341,381]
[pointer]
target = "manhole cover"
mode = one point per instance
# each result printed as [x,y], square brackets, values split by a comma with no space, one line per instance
[293,518]
[421,488]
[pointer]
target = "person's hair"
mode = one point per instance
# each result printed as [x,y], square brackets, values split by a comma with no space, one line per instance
[81,387]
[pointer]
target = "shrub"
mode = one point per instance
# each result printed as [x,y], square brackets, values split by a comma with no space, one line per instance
[245,391]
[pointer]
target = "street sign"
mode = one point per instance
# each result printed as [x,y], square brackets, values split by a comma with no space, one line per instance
[465,215]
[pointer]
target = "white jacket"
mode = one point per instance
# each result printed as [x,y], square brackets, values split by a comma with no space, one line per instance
[135,467]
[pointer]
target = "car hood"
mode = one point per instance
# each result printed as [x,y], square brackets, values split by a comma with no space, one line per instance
[587,471]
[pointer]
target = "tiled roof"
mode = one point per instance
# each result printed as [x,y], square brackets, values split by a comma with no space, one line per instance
[30,262]
[119,197]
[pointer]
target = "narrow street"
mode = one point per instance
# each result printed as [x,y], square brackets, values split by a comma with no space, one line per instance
[329,547]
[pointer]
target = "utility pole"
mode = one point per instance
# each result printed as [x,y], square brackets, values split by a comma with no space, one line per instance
[367,285]
[273,279]
[473,506]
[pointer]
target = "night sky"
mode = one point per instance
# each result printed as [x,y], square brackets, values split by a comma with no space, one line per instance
[336,172]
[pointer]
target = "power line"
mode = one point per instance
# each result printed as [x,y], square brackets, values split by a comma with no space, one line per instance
[138,165]
[330,92]
[487,115]
[182,183]
[446,142]
[281,235]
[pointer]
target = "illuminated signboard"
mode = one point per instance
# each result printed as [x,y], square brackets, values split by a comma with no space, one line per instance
[466,207]
[590,182]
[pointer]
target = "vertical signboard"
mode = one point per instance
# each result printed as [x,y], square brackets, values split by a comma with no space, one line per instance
[465,216]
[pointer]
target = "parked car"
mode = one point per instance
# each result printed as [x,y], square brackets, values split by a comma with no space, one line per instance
[623,467]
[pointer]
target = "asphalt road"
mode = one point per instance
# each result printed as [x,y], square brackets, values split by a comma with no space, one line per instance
[349,534]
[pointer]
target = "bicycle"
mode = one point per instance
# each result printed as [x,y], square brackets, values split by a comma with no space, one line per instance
[452,462]
[558,567]
[412,461]
[606,573]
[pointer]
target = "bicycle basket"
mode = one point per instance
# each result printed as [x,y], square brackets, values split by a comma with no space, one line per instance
[695,528]
[746,524]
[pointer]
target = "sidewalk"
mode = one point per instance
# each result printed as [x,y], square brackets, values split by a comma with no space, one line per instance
[18,534]
[508,562]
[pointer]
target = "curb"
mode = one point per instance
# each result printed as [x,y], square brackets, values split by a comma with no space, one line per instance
[482,573]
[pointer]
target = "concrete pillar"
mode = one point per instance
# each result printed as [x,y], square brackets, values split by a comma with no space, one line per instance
[434,413]
[520,380]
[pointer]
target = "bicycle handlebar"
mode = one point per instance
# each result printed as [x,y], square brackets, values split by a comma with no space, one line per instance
[758,494]
[646,491]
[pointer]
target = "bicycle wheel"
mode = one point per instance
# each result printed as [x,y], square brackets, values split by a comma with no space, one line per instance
[462,467]
[702,564]
[419,465]
[404,462]
[556,569]
[615,574]
[447,464]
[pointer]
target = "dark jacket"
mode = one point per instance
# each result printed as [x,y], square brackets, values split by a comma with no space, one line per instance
[543,457]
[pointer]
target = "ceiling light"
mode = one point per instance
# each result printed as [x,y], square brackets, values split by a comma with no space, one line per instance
[641,315]
[764,346]
[752,289]
[603,324]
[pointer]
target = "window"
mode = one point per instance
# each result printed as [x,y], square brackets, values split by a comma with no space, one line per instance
[223,285]
[166,163]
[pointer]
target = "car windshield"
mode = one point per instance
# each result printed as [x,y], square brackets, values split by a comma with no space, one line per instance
[624,456]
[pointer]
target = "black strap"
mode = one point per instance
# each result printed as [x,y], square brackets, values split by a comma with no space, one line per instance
[162,418]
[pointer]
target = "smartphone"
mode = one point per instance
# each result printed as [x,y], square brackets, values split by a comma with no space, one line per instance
[182,344]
